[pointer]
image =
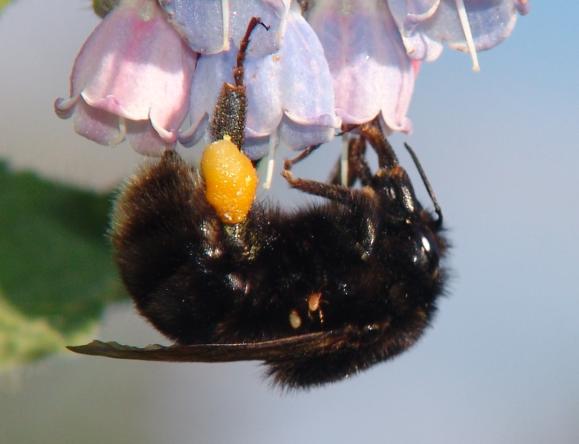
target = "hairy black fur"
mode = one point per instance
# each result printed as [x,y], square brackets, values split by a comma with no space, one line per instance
[200,281]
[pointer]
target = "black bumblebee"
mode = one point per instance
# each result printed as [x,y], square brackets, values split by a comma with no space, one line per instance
[317,294]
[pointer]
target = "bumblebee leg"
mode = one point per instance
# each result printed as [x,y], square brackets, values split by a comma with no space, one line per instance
[330,191]
[373,133]
[289,163]
[357,166]
[392,172]
[391,169]
[357,160]
[231,108]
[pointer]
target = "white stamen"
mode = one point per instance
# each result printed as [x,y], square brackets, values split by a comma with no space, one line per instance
[467,34]
[273,143]
[225,11]
[344,162]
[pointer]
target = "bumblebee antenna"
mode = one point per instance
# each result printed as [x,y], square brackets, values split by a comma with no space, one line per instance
[426,183]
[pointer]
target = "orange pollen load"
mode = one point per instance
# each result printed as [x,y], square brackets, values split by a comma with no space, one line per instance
[230,180]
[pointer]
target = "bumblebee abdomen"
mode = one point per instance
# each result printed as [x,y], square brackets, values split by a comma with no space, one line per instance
[164,235]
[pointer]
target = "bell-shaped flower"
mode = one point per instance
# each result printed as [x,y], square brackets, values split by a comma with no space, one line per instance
[289,93]
[131,78]
[372,74]
[214,26]
[465,25]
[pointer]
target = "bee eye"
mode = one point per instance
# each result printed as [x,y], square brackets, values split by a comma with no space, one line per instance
[230,180]
[425,252]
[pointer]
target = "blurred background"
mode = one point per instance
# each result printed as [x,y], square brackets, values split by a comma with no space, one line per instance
[501,363]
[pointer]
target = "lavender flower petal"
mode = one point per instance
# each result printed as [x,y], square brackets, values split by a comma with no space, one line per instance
[489,22]
[214,26]
[371,70]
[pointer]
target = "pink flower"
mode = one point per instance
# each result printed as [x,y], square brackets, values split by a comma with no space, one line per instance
[372,74]
[289,93]
[136,75]
[131,78]
[466,25]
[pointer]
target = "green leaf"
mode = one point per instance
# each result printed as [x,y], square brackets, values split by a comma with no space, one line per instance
[4,3]
[56,270]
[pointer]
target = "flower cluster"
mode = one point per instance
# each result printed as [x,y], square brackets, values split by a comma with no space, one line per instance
[151,63]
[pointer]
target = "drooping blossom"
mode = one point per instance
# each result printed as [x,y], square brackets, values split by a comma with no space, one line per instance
[135,76]
[131,78]
[372,74]
[215,26]
[465,25]
[289,92]
[374,47]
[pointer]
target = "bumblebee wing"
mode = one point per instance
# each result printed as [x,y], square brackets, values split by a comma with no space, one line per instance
[271,350]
